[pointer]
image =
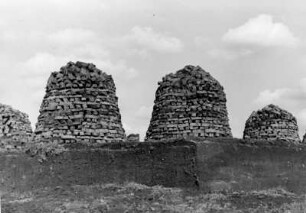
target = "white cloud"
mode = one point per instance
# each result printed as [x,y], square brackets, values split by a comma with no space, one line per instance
[41,63]
[80,42]
[267,96]
[228,54]
[147,38]
[72,36]
[70,41]
[119,69]
[261,31]
[21,36]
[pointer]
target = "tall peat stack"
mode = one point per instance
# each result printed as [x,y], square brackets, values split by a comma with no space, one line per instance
[14,124]
[80,104]
[272,123]
[189,103]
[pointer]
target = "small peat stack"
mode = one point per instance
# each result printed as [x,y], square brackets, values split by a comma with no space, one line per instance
[272,123]
[80,104]
[133,138]
[14,124]
[189,103]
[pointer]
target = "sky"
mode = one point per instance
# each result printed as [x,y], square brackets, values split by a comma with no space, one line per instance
[255,49]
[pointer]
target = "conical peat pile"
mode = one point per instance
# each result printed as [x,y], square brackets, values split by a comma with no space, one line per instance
[272,123]
[14,124]
[189,103]
[80,104]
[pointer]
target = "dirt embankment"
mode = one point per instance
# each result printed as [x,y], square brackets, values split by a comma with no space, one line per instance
[230,165]
[211,165]
[159,163]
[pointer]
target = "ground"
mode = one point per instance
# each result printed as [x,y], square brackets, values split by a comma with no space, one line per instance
[133,197]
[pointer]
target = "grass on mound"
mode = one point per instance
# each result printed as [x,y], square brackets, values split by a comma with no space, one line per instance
[133,197]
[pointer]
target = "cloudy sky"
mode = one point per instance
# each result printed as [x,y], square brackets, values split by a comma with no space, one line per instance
[256,49]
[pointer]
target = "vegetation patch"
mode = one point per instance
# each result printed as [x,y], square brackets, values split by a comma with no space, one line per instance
[133,197]
[43,150]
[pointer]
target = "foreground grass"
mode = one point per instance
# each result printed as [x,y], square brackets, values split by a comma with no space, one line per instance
[132,197]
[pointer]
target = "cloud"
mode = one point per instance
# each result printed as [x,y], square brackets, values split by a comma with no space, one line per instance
[72,36]
[295,97]
[228,54]
[21,36]
[81,42]
[267,96]
[119,69]
[70,44]
[261,31]
[147,38]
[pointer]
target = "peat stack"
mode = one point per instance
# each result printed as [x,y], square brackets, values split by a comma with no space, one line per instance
[80,104]
[14,124]
[272,123]
[189,103]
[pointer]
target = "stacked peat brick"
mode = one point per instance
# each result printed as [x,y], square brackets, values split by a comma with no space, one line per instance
[272,123]
[14,125]
[189,103]
[133,138]
[80,105]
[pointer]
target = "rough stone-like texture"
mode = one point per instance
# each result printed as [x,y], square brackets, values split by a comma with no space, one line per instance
[14,125]
[236,165]
[159,163]
[210,165]
[80,105]
[133,138]
[271,123]
[189,103]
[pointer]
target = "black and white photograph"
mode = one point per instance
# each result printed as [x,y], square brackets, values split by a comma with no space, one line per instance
[163,106]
